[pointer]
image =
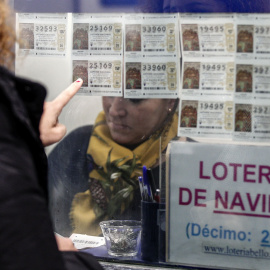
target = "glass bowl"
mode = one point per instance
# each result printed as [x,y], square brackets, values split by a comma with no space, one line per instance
[122,237]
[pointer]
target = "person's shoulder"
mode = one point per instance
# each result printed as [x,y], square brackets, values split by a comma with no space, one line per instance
[8,83]
[75,142]
[4,71]
[80,134]
[7,76]
[14,87]
[83,130]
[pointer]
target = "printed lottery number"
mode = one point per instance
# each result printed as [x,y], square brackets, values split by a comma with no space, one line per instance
[212,106]
[153,67]
[101,28]
[45,28]
[214,67]
[95,65]
[262,30]
[261,110]
[154,29]
[261,70]
[212,29]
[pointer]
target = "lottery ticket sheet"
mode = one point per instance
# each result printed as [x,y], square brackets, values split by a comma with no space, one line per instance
[205,118]
[225,61]
[101,76]
[151,78]
[97,34]
[97,53]
[252,82]
[251,122]
[236,121]
[151,56]
[207,35]
[208,78]
[151,35]
[253,36]
[42,34]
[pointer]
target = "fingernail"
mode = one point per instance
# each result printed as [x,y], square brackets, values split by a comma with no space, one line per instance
[79,80]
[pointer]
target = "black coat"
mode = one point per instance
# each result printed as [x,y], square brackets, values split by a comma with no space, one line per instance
[26,234]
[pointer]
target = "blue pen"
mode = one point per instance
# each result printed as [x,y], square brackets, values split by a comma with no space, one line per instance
[151,181]
[145,190]
[141,187]
[146,183]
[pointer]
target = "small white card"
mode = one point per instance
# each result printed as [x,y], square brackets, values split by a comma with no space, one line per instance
[86,241]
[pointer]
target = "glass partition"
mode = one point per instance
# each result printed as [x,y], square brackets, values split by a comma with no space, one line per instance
[153,72]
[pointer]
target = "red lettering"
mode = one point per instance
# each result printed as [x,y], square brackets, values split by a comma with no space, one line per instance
[246,202]
[218,198]
[235,166]
[185,196]
[253,206]
[181,196]
[263,202]
[198,197]
[247,172]
[225,171]
[201,172]
[264,174]
[237,201]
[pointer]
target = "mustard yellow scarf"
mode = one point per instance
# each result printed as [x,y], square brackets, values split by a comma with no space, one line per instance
[113,177]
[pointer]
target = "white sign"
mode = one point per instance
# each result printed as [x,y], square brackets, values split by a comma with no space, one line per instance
[218,205]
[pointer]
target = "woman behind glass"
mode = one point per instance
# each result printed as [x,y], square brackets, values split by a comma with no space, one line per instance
[100,164]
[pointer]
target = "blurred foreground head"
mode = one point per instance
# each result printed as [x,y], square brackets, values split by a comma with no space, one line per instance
[7,35]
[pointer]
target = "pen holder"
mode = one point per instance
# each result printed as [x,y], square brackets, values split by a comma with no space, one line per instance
[153,231]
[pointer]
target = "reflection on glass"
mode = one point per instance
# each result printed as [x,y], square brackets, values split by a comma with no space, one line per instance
[94,170]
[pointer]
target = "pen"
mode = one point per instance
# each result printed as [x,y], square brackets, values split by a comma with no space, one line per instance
[141,188]
[157,196]
[146,184]
[151,181]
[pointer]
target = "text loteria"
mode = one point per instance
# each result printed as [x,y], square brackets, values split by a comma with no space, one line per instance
[240,202]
